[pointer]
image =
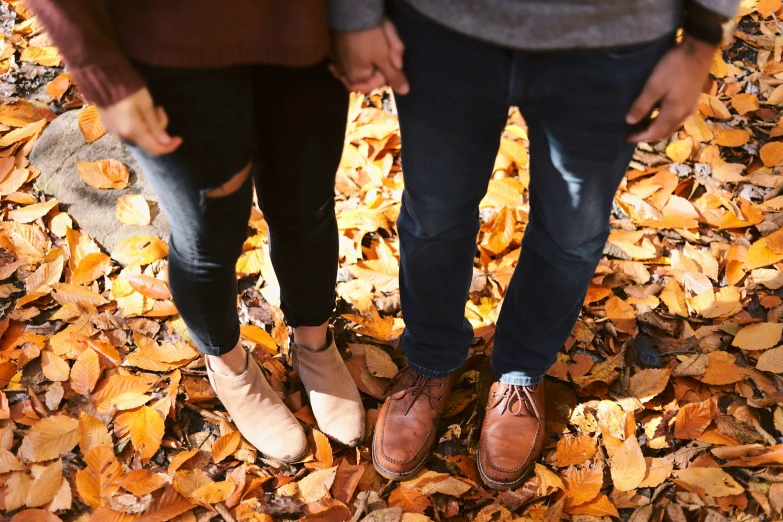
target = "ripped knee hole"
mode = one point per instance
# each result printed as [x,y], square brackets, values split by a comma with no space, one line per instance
[232,185]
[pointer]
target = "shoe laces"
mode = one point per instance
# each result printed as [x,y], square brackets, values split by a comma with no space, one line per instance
[422,387]
[516,400]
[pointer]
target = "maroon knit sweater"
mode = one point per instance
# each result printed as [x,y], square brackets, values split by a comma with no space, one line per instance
[99,38]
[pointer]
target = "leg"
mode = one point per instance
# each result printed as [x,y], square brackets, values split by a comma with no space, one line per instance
[451,123]
[295,185]
[296,192]
[579,154]
[205,189]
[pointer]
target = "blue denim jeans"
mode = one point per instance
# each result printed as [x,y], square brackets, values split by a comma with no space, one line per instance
[574,103]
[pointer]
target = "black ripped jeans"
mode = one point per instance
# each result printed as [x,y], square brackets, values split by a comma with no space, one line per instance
[290,124]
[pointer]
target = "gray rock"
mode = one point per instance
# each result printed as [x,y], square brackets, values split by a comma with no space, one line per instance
[94,210]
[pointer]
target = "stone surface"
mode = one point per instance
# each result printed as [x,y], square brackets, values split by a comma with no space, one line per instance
[93,210]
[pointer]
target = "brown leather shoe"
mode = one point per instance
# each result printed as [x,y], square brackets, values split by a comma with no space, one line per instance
[512,434]
[408,423]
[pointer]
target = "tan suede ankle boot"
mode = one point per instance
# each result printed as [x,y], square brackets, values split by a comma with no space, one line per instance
[259,414]
[334,398]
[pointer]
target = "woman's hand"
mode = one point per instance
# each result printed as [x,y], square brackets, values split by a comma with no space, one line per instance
[135,119]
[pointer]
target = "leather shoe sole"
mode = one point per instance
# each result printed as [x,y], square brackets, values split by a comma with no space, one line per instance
[391,475]
[502,485]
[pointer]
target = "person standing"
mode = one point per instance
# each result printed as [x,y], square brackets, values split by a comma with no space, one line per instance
[586,75]
[211,99]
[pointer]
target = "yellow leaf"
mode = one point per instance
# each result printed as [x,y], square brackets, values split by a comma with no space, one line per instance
[90,124]
[68,293]
[85,372]
[712,107]
[771,361]
[213,493]
[30,213]
[379,363]
[142,250]
[225,446]
[674,298]
[758,336]
[732,138]
[628,466]
[259,336]
[48,273]
[60,224]
[104,174]
[46,56]
[146,432]
[96,482]
[50,438]
[22,133]
[133,209]
[714,481]
[316,485]
[251,262]
[679,151]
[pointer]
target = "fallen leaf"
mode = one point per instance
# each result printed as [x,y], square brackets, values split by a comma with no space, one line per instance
[90,124]
[225,446]
[628,466]
[96,482]
[47,56]
[758,336]
[104,174]
[146,431]
[713,481]
[50,438]
[646,384]
[133,209]
[30,213]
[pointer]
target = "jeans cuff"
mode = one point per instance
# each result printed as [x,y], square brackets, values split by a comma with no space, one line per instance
[517,378]
[431,374]
[215,349]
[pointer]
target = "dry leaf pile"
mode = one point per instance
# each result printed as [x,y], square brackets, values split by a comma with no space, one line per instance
[664,404]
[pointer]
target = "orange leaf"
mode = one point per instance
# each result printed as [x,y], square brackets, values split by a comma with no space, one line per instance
[772,153]
[744,103]
[45,487]
[92,433]
[575,450]
[54,368]
[410,500]
[679,151]
[141,481]
[104,174]
[621,314]
[95,483]
[582,485]
[57,87]
[260,336]
[35,515]
[46,56]
[598,507]
[170,505]
[140,249]
[323,450]
[133,209]
[732,138]
[146,431]
[179,459]
[722,369]
[758,336]
[22,133]
[91,267]
[85,372]
[225,446]
[90,124]
[151,287]
[646,384]
[693,418]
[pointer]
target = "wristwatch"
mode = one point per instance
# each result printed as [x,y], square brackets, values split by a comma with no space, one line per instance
[702,30]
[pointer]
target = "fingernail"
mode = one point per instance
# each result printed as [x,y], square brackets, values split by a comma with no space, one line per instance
[404,88]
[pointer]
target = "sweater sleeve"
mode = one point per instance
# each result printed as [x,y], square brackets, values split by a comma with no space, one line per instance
[727,8]
[350,15]
[82,31]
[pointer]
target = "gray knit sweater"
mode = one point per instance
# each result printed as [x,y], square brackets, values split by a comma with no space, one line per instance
[538,24]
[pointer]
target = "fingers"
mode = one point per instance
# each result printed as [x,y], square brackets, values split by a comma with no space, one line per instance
[644,104]
[142,135]
[671,115]
[396,47]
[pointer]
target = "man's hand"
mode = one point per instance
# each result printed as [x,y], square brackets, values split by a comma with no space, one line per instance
[372,58]
[135,119]
[673,87]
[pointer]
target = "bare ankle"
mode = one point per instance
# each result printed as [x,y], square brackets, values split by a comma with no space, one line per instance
[312,337]
[232,363]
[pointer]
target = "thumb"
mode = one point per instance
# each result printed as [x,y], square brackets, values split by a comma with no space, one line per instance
[396,47]
[156,121]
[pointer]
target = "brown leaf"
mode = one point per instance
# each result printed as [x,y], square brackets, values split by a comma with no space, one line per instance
[628,466]
[225,446]
[170,505]
[410,500]
[133,209]
[646,384]
[45,486]
[50,438]
[693,418]
[104,174]
[621,314]
[90,124]
[96,482]
[771,360]
[658,470]
[722,370]
[583,484]
[346,480]
[146,431]
[179,459]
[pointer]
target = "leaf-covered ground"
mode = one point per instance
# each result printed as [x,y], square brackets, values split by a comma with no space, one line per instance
[665,403]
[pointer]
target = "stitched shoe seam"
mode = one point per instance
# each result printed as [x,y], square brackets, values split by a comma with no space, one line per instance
[485,449]
[396,461]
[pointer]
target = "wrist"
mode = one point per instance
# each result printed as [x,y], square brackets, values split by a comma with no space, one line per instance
[698,48]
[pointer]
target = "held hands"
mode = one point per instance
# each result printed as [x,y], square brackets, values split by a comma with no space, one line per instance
[371,58]
[674,87]
[137,120]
